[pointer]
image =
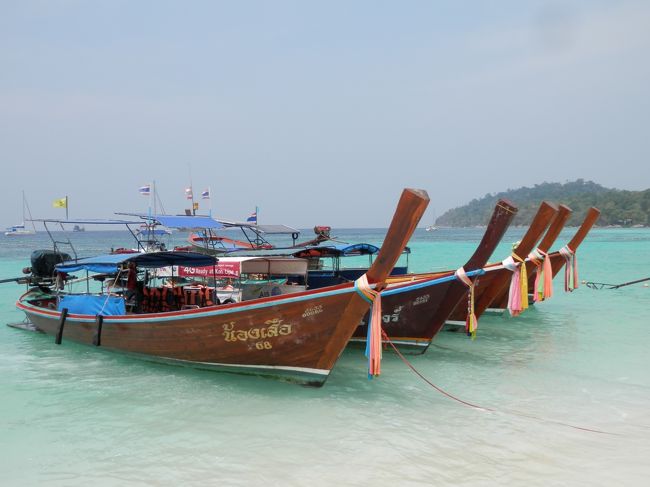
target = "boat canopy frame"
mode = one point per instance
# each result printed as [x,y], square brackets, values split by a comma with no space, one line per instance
[253,233]
[87,221]
[110,263]
[337,252]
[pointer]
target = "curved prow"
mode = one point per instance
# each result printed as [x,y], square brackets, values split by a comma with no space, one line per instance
[502,216]
[563,214]
[540,223]
[409,210]
[561,217]
[498,286]
[590,220]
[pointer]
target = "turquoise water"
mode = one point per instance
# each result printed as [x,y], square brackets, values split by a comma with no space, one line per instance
[72,415]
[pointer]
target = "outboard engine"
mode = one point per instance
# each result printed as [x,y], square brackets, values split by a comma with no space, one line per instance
[43,262]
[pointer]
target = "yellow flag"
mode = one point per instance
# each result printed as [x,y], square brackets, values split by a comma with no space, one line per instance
[60,203]
[196,205]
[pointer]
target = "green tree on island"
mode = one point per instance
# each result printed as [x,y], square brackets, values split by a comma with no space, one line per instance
[618,207]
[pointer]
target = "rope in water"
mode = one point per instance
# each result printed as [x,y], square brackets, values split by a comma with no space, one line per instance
[483,408]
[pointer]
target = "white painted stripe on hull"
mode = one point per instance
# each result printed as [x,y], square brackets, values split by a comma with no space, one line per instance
[455,322]
[287,368]
[299,374]
[188,314]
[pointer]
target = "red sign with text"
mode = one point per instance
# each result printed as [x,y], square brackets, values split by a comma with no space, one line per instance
[221,269]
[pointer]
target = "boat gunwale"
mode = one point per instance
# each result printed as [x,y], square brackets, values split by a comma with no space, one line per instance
[217,310]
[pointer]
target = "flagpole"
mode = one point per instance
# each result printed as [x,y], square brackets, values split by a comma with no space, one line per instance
[152,195]
[66,207]
[189,166]
[210,198]
[257,214]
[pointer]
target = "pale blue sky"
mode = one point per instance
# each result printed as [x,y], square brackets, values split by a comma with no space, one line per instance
[320,113]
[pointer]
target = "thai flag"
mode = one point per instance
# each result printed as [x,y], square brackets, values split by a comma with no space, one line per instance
[205,194]
[188,193]
[252,218]
[145,190]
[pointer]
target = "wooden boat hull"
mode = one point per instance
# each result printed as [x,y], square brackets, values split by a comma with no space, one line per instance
[494,275]
[408,311]
[296,337]
[414,312]
[500,303]
[286,338]
[497,278]
[557,261]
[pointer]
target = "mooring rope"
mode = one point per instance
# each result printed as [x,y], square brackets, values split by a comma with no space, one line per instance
[484,408]
[604,285]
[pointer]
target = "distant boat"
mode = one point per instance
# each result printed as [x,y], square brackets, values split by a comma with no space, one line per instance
[78,228]
[18,230]
[432,227]
[150,230]
[21,230]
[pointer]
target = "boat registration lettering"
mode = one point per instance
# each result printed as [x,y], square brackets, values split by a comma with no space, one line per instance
[313,311]
[394,316]
[274,328]
[421,299]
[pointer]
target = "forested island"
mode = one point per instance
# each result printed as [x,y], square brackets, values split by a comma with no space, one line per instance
[618,207]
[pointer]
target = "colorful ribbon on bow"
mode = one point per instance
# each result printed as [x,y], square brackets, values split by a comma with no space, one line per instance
[570,268]
[518,293]
[471,322]
[543,287]
[373,338]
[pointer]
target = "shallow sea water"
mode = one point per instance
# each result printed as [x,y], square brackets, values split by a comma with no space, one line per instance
[71,415]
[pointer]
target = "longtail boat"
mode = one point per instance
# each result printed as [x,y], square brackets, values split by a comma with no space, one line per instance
[203,237]
[297,337]
[497,276]
[207,241]
[538,263]
[555,260]
[567,254]
[415,306]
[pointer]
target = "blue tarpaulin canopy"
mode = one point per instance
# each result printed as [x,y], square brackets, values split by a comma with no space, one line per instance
[110,263]
[88,304]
